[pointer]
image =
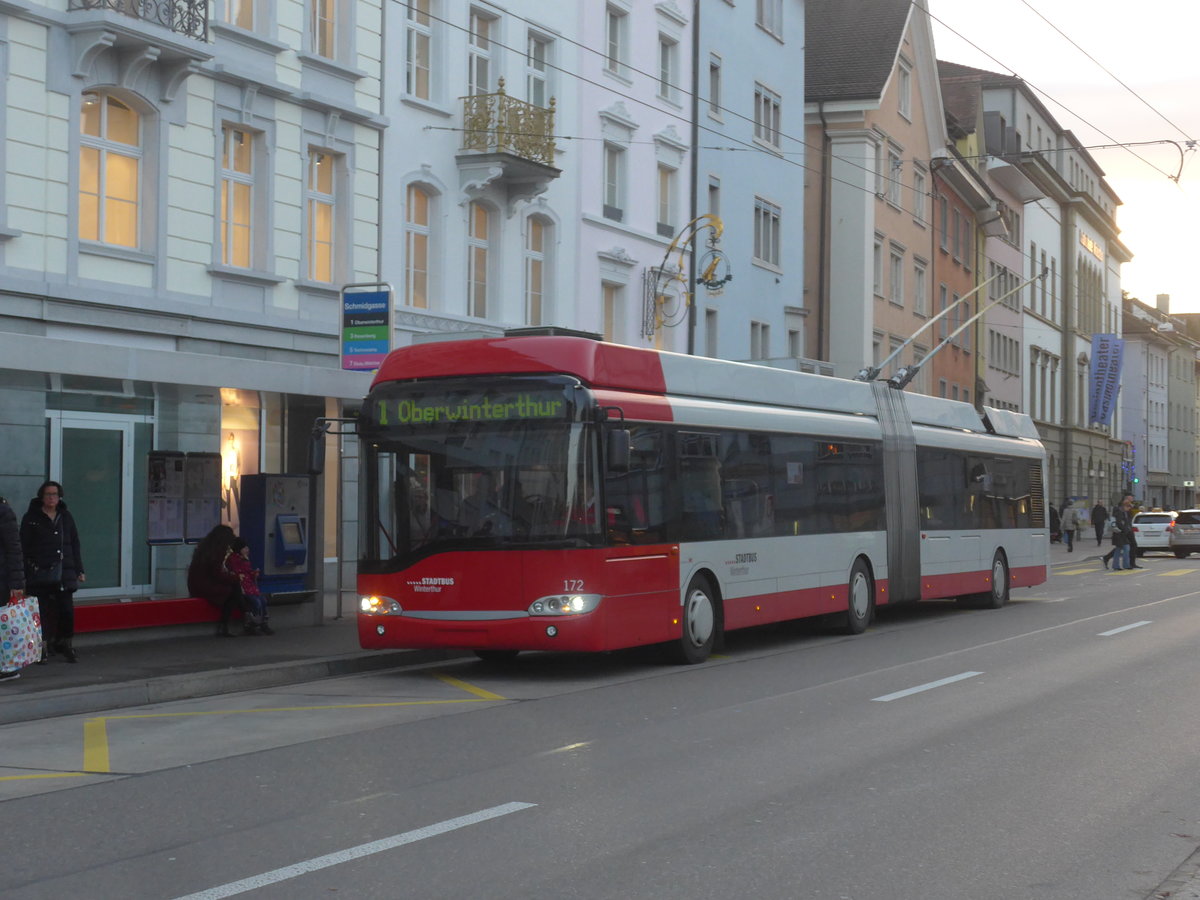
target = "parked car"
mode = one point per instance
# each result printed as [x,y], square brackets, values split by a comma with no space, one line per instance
[1153,530]
[1185,536]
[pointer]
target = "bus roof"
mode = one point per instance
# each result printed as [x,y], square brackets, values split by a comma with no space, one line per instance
[638,370]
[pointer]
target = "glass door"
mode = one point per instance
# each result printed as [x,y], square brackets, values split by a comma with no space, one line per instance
[93,455]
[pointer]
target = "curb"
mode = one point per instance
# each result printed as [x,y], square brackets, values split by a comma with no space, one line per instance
[141,692]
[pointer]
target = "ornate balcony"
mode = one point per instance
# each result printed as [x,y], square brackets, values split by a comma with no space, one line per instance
[185,17]
[507,143]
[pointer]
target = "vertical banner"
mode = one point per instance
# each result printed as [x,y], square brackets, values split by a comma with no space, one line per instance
[366,326]
[1107,353]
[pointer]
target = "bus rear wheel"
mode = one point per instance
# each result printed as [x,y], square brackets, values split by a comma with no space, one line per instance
[860,605]
[998,595]
[700,617]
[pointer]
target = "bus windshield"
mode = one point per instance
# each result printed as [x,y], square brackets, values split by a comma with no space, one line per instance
[479,484]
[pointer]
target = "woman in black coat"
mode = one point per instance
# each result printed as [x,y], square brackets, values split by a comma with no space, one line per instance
[49,536]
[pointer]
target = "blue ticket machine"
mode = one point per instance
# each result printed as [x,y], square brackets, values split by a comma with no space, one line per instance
[274,518]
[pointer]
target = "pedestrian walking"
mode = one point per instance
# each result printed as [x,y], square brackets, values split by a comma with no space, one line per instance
[1069,522]
[1055,525]
[12,569]
[53,566]
[1122,533]
[1099,519]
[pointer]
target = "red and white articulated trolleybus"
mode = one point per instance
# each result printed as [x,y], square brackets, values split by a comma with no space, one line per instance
[562,493]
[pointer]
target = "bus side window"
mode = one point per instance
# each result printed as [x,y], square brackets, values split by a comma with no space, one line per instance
[635,507]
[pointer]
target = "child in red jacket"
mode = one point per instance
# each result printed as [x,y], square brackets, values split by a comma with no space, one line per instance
[237,561]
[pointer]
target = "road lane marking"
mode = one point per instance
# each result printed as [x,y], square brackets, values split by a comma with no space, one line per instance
[95,731]
[45,775]
[1079,571]
[95,745]
[1123,628]
[469,688]
[908,692]
[1178,572]
[342,856]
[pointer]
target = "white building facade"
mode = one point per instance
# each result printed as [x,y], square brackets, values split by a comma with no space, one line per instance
[184,198]
[480,202]
[751,161]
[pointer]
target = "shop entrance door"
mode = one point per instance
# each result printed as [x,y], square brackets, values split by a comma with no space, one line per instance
[94,456]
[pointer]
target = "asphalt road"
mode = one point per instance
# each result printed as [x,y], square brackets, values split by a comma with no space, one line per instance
[1046,750]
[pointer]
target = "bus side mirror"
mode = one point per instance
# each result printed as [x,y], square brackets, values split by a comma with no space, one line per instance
[620,449]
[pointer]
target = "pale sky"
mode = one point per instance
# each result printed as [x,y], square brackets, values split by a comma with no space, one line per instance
[1151,46]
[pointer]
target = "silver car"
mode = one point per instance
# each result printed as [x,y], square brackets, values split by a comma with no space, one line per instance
[1185,536]
[1152,530]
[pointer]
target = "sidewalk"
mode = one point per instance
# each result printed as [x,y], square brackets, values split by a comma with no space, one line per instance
[156,668]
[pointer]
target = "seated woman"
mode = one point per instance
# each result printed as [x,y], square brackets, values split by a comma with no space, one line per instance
[207,576]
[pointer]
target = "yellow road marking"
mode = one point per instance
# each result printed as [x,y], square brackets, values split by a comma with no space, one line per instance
[469,688]
[95,731]
[46,775]
[1078,571]
[95,745]
[1178,572]
[273,709]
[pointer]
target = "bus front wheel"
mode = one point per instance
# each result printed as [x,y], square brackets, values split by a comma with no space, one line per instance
[700,619]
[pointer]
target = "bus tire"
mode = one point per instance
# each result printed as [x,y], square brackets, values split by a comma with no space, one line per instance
[998,595]
[1182,554]
[497,657]
[860,602]
[700,623]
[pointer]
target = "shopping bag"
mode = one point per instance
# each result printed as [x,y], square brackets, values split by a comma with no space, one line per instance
[20,634]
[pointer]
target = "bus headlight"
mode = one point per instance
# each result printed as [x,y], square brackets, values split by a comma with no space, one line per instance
[379,606]
[564,605]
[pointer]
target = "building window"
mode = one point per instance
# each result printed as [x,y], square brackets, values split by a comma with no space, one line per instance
[919,197]
[110,157]
[956,235]
[536,235]
[877,268]
[615,41]
[321,205]
[237,196]
[419,50]
[766,232]
[479,54]
[894,174]
[536,58]
[943,324]
[766,115]
[614,181]
[612,300]
[944,223]
[668,51]
[240,13]
[760,340]
[920,286]
[416,247]
[714,195]
[478,247]
[710,333]
[896,276]
[904,89]
[714,85]
[666,201]
[324,28]
[769,15]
